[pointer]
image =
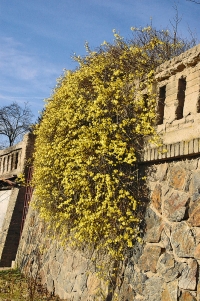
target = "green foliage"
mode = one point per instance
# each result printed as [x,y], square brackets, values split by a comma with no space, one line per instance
[89,141]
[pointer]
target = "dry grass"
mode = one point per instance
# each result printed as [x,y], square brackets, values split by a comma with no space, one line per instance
[15,287]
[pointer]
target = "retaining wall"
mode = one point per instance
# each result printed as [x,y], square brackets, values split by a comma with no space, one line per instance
[13,162]
[165,267]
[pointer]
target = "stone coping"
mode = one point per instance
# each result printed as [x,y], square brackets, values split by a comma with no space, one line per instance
[188,58]
[11,149]
[174,150]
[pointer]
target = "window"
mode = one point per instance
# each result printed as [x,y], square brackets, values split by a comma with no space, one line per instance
[12,160]
[198,105]
[4,162]
[181,97]
[8,161]
[161,105]
[16,160]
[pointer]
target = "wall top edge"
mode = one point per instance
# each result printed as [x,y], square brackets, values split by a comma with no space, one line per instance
[18,146]
[188,58]
[170,151]
[11,149]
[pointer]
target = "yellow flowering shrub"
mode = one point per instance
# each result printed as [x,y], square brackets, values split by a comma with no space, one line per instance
[88,142]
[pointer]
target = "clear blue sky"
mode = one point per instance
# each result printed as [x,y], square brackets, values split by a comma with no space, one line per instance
[38,37]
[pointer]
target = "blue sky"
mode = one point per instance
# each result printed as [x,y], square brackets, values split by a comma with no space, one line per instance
[38,37]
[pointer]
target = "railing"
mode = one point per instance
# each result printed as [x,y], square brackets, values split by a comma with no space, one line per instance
[10,162]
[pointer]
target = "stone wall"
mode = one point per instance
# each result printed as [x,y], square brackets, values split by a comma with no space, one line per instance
[4,202]
[10,230]
[168,265]
[178,92]
[164,268]
[63,271]
[13,158]
[13,161]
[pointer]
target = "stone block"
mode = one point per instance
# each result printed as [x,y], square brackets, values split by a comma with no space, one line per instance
[68,281]
[182,240]
[171,100]
[189,118]
[161,171]
[153,289]
[55,268]
[148,260]
[154,226]
[80,283]
[194,187]
[194,80]
[188,279]
[177,177]
[138,282]
[194,75]
[197,252]
[194,217]
[198,292]
[171,89]
[168,268]
[50,284]
[191,90]
[187,296]
[93,284]
[160,128]
[175,206]
[165,238]
[170,291]
[156,197]
[127,292]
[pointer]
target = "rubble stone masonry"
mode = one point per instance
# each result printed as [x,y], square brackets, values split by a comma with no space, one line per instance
[166,266]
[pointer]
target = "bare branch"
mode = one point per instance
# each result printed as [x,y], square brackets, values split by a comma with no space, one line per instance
[14,121]
[175,23]
[197,2]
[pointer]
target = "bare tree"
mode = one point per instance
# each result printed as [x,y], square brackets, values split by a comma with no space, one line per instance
[14,121]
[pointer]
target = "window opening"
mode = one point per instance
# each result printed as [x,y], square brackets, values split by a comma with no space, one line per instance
[4,162]
[198,105]
[16,160]
[11,163]
[8,161]
[181,97]
[161,105]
